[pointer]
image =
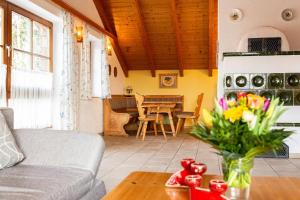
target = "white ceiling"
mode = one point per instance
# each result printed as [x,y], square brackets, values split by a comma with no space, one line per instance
[87,8]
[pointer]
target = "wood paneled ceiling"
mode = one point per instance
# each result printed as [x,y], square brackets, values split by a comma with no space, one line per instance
[162,34]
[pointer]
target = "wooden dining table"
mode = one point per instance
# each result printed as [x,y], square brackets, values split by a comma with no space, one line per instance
[161,107]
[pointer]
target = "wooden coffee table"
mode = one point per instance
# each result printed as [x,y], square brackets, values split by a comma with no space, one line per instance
[151,186]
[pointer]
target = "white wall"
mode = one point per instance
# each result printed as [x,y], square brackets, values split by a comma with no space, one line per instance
[91,116]
[256,13]
[87,7]
[117,84]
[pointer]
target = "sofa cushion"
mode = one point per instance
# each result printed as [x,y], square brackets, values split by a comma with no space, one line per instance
[10,154]
[44,183]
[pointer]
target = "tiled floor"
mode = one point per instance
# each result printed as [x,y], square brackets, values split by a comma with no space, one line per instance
[126,154]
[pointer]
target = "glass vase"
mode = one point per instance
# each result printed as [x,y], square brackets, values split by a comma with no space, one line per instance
[237,174]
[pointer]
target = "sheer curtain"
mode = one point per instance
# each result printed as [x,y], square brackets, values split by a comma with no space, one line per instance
[85,67]
[69,77]
[105,86]
[31,97]
[3,85]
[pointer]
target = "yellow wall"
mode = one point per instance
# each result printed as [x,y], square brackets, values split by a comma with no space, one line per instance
[190,85]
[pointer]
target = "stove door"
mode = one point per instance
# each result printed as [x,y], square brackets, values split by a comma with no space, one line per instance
[285,97]
[276,81]
[292,81]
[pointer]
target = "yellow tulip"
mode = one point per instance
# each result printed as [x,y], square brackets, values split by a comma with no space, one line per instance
[235,113]
[207,118]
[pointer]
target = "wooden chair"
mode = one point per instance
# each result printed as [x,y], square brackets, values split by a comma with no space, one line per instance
[146,118]
[114,122]
[189,115]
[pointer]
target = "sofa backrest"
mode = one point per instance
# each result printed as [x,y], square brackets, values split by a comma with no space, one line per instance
[61,148]
[57,148]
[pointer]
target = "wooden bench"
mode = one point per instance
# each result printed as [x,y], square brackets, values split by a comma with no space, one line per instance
[113,121]
[120,111]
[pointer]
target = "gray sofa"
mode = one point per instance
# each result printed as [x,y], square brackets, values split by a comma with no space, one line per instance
[58,165]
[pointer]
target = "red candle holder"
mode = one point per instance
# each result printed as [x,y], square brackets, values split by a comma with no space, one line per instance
[198,168]
[218,186]
[190,167]
[215,192]
[186,163]
[193,181]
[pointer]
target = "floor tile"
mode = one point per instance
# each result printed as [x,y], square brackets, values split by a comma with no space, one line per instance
[124,155]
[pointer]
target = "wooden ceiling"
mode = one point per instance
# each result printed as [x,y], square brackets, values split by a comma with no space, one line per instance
[161,34]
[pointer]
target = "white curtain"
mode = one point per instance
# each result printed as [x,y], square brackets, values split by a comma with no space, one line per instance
[69,77]
[75,76]
[31,97]
[85,67]
[3,85]
[104,73]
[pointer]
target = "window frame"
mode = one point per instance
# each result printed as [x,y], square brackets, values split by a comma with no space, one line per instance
[33,18]
[8,9]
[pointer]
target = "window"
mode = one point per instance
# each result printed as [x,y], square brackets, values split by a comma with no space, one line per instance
[96,67]
[31,42]
[26,51]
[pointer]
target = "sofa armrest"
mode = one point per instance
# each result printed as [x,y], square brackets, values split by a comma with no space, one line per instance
[61,148]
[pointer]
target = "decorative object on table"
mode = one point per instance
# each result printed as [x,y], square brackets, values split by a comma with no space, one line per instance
[168,80]
[236,15]
[240,130]
[287,14]
[216,190]
[190,167]
[128,91]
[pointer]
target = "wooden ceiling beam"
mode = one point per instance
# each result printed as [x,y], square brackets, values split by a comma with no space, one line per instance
[103,15]
[144,36]
[177,31]
[212,35]
[81,16]
[114,41]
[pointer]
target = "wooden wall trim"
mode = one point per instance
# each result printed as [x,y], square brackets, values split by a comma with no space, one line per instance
[144,36]
[81,16]
[213,35]
[178,36]
[114,41]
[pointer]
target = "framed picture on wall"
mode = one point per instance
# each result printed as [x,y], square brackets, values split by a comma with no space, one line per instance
[168,80]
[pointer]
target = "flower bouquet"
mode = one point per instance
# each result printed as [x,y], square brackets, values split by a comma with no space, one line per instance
[241,129]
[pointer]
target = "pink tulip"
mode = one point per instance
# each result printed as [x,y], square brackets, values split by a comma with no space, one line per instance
[266,105]
[223,104]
